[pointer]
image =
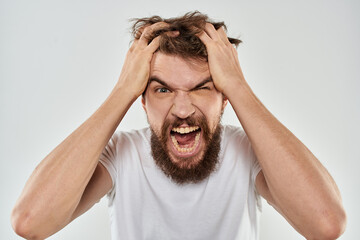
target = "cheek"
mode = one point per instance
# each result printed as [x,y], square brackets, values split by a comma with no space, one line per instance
[156,111]
[211,107]
[211,103]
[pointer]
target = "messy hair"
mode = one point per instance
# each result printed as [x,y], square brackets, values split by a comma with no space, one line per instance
[186,44]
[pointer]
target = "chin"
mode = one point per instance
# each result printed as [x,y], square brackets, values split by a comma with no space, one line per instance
[186,150]
[189,162]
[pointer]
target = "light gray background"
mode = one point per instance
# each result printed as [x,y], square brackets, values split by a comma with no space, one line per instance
[60,59]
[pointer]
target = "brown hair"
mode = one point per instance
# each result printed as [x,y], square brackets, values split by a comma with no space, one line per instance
[186,44]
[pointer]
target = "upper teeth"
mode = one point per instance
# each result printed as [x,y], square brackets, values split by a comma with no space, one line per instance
[183,130]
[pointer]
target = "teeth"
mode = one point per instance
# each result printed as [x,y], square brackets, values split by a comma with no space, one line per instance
[186,149]
[183,130]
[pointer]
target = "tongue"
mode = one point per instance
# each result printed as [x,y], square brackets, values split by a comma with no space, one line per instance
[184,139]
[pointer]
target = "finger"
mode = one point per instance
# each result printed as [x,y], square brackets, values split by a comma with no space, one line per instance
[139,32]
[235,55]
[154,45]
[173,33]
[223,36]
[211,31]
[204,37]
[148,30]
[134,44]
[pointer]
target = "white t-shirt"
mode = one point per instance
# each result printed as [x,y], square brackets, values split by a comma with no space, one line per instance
[145,204]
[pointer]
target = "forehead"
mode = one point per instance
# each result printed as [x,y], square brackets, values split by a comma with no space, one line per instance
[177,71]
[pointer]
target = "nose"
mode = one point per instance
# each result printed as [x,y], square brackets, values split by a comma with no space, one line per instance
[182,105]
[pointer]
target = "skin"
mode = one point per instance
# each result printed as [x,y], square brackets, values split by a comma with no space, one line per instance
[70,179]
[181,89]
[301,189]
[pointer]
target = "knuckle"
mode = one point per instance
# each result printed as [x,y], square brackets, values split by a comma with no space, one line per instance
[148,28]
[214,44]
[229,46]
[209,26]
[136,51]
[146,32]
[160,25]
[211,44]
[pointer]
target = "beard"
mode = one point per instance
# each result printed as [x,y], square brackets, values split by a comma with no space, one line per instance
[187,169]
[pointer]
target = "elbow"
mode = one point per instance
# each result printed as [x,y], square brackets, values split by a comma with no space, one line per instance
[335,229]
[332,228]
[21,224]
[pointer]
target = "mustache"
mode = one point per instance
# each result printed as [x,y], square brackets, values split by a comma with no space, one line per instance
[191,121]
[194,174]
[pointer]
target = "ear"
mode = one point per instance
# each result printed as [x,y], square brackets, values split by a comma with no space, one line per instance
[143,102]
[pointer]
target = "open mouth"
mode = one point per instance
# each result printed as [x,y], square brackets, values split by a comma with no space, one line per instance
[186,140]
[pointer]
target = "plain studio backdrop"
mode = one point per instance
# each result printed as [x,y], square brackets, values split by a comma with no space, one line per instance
[60,59]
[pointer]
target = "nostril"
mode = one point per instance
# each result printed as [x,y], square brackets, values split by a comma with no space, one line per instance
[183,111]
[182,105]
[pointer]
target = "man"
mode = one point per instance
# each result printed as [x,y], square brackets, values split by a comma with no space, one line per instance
[187,176]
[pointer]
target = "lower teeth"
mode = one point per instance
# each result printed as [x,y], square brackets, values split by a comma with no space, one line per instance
[185,149]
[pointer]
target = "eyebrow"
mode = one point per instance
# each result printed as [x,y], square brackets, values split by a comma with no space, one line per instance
[209,79]
[156,79]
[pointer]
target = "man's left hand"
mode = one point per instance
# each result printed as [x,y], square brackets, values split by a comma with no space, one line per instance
[222,57]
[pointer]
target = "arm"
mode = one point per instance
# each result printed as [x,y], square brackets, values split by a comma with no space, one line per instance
[292,179]
[70,179]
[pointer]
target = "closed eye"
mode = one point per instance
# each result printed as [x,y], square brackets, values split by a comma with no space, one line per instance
[203,88]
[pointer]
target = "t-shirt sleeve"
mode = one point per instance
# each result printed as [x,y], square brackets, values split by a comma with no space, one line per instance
[108,159]
[255,169]
[254,166]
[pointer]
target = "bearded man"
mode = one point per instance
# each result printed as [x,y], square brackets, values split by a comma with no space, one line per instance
[186,176]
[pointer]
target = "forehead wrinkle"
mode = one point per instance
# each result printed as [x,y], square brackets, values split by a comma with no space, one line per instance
[155,78]
[158,80]
[178,72]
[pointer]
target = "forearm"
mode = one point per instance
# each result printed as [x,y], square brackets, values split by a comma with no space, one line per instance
[300,186]
[54,189]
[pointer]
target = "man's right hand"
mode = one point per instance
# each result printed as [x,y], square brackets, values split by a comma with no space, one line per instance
[70,179]
[135,72]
